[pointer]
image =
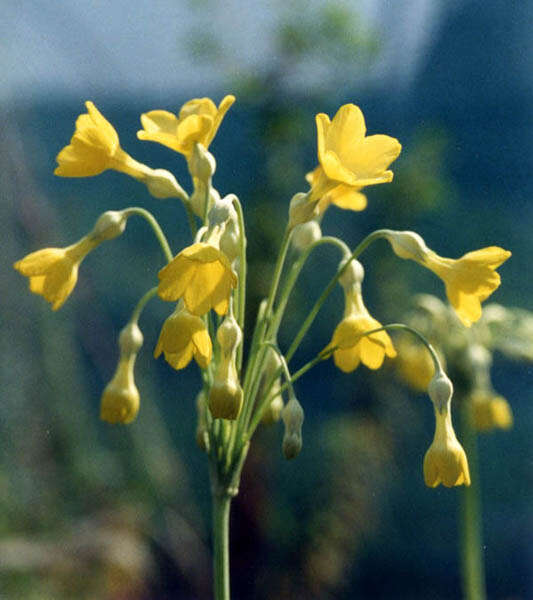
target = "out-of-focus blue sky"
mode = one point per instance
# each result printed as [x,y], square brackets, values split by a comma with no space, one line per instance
[101,48]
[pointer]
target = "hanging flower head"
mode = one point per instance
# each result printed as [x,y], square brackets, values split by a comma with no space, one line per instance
[201,275]
[183,337]
[445,461]
[351,345]
[490,411]
[197,123]
[53,272]
[469,280]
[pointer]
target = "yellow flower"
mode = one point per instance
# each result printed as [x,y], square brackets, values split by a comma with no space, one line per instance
[348,159]
[415,364]
[490,411]
[183,337]
[120,400]
[445,461]
[469,280]
[201,275]
[94,148]
[53,272]
[197,123]
[352,346]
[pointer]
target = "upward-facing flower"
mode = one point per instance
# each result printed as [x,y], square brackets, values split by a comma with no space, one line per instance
[201,275]
[183,337]
[197,123]
[348,160]
[352,346]
[94,148]
[53,272]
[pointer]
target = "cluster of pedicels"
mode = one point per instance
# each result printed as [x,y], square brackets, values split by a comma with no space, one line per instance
[208,276]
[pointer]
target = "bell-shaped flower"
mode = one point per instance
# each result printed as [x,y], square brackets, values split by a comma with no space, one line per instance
[350,345]
[469,280]
[53,272]
[94,148]
[350,160]
[490,411]
[183,337]
[445,461]
[197,123]
[120,400]
[200,274]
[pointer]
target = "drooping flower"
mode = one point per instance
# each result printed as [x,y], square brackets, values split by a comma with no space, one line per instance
[183,337]
[469,280]
[349,160]
[53,272]
[197,123]
[94,148]
[351,345]
[121,399]
[445,461]
[490,411]
[200,274]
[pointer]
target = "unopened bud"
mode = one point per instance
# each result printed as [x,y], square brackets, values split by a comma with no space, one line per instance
[120,400]
[352,275]
[225,399]
[109,225]
[272,413]
[162,184]
[301,210]
[305,235]
[293,418]
[407,244]
[440,390]
[130,339]
[229,334]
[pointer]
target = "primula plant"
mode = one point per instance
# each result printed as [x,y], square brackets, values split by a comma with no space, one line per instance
[204,283]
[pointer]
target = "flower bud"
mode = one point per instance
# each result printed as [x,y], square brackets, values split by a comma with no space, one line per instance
[229,334]
[440,390]
[109,225]
[353,275]
[306,234]
[272,413]
[202,163]
[162,184]
[225,399]
[407,244]
[130,339]
[293,418]
[301,210]
[230,240]
[222,210]
[120,400]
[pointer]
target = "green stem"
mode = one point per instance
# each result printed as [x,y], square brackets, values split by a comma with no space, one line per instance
[221,508]
[241,298]
[470,526]
[142,303]
[329,288]
[161,238]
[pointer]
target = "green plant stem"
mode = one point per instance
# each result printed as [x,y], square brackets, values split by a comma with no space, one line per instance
[327,291]
[241,296]
[152,221]
[142,303]
[221,508]
[470,526]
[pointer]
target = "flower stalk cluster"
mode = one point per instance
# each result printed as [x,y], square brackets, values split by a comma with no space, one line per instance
[206,283]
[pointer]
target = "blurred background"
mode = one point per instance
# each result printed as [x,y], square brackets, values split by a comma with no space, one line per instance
[88,510]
